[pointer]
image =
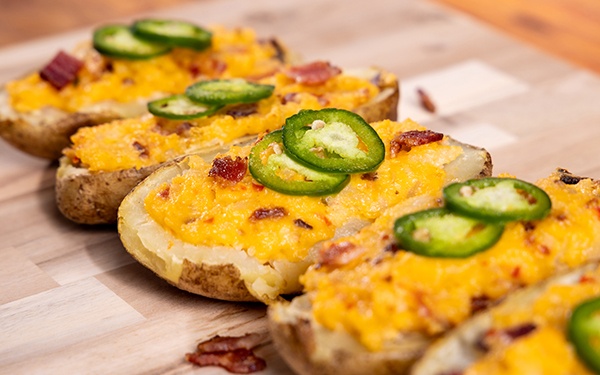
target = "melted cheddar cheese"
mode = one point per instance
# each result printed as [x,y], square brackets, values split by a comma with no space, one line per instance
[546,349]
[234,53]
[387,292]
[201,210]
[140,142]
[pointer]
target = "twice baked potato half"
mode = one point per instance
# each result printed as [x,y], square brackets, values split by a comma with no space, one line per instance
[105,162]
[527,333]
[39,119]
[202,230]
[370,306]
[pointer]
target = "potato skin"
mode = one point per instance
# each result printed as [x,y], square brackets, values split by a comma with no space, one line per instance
[93,198]
[47,132]
[297,339]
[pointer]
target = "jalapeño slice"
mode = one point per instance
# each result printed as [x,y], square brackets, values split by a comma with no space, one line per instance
[173,33]
[333,140]
[120,42]
[498,199]
[179,107]
[273,168]
[584,332]
[228,91]
[441,233]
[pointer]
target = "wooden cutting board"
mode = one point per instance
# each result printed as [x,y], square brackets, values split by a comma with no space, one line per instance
[73,301]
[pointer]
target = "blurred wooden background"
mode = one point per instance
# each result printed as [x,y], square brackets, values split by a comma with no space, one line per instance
[565,28]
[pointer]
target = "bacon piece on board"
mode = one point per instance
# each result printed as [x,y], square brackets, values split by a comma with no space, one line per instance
[61,71]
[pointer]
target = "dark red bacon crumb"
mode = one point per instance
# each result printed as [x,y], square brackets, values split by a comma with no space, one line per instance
[407,140]
[61,71]
[229,169]
[371,176]
[505,336]
[141,149]
[480,303]
[242,110]
[231,353]
[302,224]
[268,213]
[313,74]
[426,101]
[339,254]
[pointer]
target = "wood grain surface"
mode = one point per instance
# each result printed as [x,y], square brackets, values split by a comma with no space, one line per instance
[72,300]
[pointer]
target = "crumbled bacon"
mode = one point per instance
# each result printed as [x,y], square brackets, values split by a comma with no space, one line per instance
[229,169]
[165,192]
[61,71]
[371,176]
[405,141]
[141,149]
[339,254]
[231,353]
[313,74]
[568,177]
[480,303]
[289,97]
[228,343]
[302,224]
[268,213]
[504,336]
[242,110]
[426,101]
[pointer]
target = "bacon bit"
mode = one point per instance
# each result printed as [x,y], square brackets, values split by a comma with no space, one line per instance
[232,353]
[239,361]
[227,343]
[228,169]
[516,272]
[61,71]
[258,187]
[242,110]
[528,226]
[586,279]
[339,254]
[371,176]
[568,177]
[480,303]
[183,128]
[127,81]
[279,50]
[194,70]
[290,97]
[313,74]
[561,217]
[141,149]
[268,213]
[544,249]
[218,66]
[392,247]
[426,101]
[302,224]
[528,197]
[164,194]
[504,336]
[407,140]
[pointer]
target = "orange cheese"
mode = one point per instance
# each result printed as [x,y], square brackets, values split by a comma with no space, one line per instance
[199,210]
[148,140]
[384,294]
[234,53]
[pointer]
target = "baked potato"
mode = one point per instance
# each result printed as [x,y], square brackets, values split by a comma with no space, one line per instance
[242,241]
[38,118]
[105,162]
[372,307]
[525,333]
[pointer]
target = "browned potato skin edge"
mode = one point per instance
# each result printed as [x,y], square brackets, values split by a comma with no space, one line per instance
[94,198]
[48,139]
